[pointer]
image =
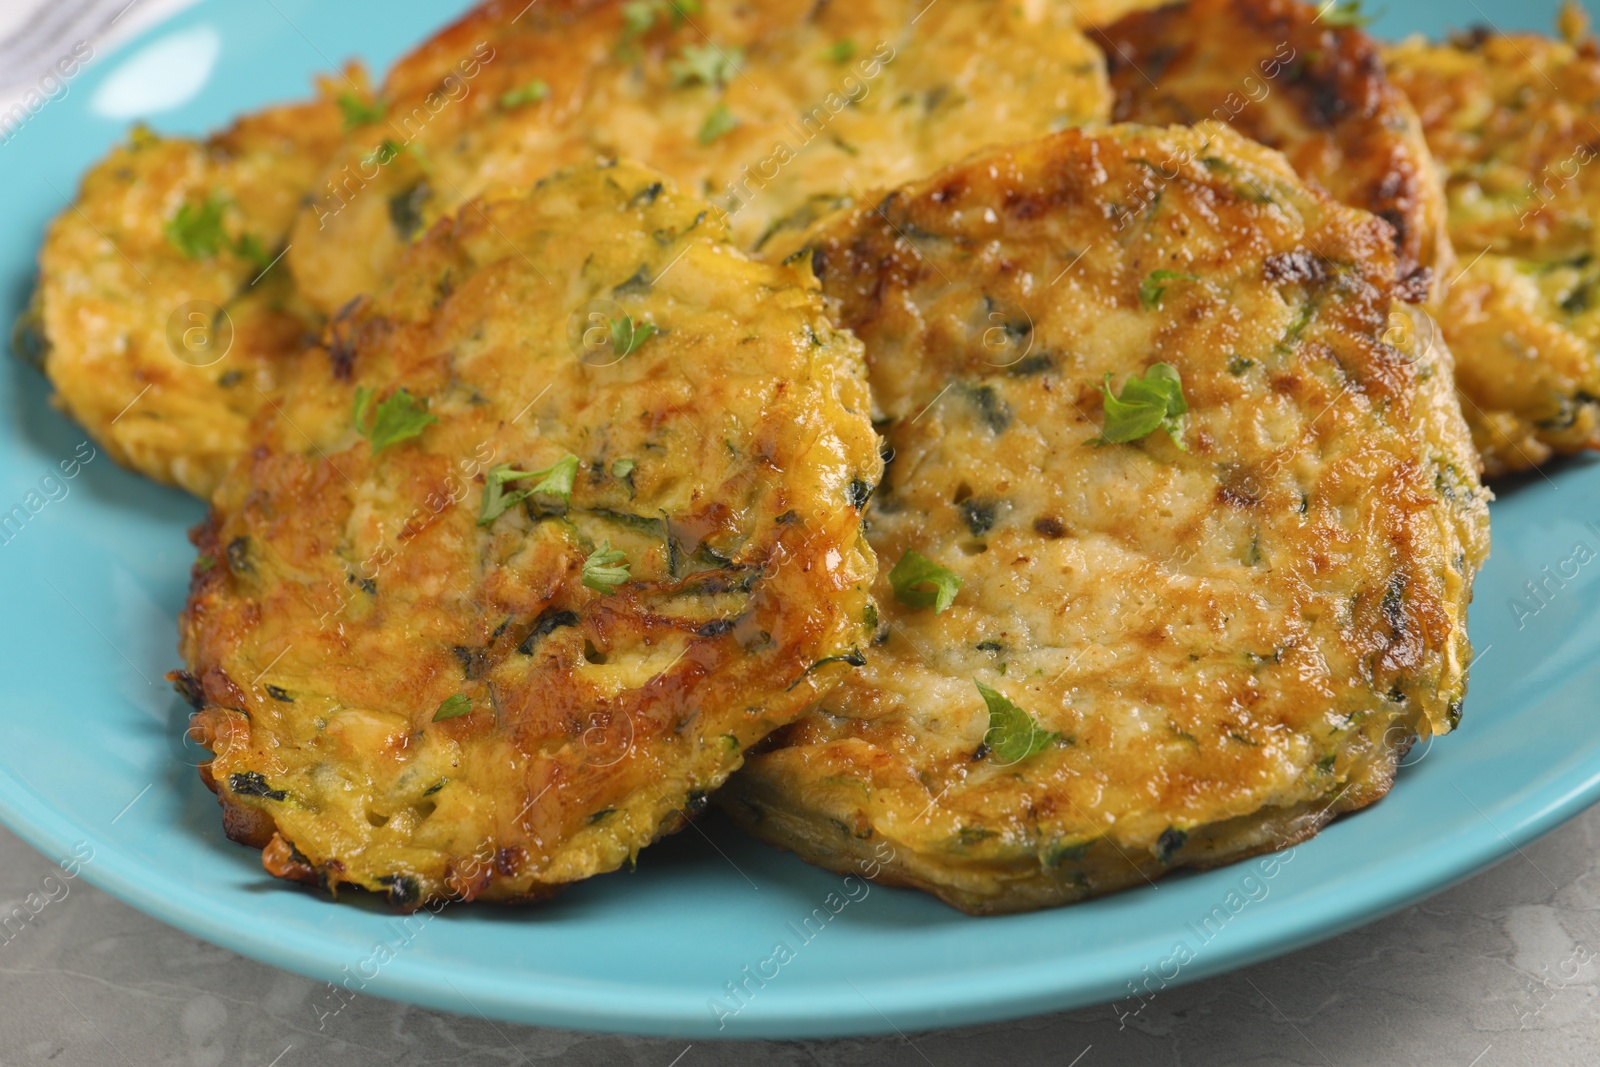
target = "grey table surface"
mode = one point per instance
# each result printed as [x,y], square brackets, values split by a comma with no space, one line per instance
[1501,971]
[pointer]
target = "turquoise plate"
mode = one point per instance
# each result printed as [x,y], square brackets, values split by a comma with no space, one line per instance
[93,761]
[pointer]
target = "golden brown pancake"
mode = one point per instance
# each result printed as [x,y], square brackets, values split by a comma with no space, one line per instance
[1174,550]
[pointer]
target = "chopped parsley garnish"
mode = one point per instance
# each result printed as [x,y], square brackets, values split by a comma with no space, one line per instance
[705,65]
[531,93]
[1013,734]
[359,112]
[196,230]
[399,418]
[639,15]
[605,569]
[1154,402]
[453,708]
[1153,288]
[554,480]
[622,468]
[627,336]
[919,582]
[249,247]
[720,121]
[841,52]
[1346,13]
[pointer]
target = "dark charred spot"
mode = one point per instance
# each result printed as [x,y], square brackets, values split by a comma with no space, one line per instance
[187,686]
[857,493]
[1414,286]
[549,621]
[696,802]
[715,628]
[1302,266]
[646,196]
[368,586]
[1167,845]
[239,556]
[341,354]
[472,660]
[403,890]
[281,695]
[509,860]
[405,209]
[251,784]
[1049,526]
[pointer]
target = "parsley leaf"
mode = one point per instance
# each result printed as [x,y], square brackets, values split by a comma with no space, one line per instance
[196,230]
[639,15]
[359,112]
[399,418]
[249,247]
[627,336]
[705,64]
[531,93]
[1013,734]
[919,582]
[554,480]
[720,121]
[1347,13]
[1152,289]
[605,569]
[842,52]
[622,468]
[1154,402]
[453,708]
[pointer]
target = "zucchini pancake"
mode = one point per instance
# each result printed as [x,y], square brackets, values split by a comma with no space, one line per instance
[559,523]
[156,317]
[1175,551]
[1510,119]
[779,112]
[1280,73]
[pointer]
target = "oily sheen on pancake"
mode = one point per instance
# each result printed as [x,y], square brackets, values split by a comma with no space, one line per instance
[560,523]
[1102,653]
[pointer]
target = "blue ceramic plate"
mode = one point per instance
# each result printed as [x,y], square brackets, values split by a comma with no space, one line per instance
[92,760]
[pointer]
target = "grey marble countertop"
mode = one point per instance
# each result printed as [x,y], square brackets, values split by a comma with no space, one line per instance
[1501,971]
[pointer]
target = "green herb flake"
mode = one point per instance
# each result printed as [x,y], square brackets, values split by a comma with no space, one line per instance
[1346,14]
[399,418]
[1013,734]
[622,468]
[453,708]
[555,480]
[841,52]
[532,93]
[605,569]
[638,16]
[196,230]
[1153,402]
[720,121]
[204,563]
[919,582]
[359,112]
[627,336]
[1153,288]
[705,65]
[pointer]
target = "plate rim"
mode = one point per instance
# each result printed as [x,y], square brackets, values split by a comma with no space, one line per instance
[914,1004]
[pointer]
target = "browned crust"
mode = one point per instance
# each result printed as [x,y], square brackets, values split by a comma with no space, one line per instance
[1344,125]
